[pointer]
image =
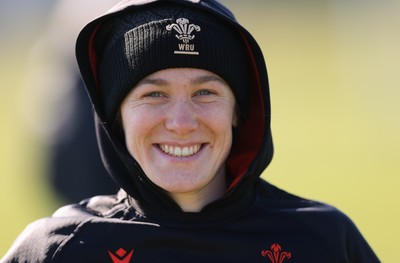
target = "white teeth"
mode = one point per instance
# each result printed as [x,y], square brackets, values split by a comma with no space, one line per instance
[177,151]
[185,151]
[180,152]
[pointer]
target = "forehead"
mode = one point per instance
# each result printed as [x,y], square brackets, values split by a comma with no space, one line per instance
[188,75]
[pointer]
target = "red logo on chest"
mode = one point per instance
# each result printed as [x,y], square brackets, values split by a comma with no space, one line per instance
[121,256]
[275,254]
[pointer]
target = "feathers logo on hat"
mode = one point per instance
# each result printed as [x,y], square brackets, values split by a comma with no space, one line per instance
[184,30]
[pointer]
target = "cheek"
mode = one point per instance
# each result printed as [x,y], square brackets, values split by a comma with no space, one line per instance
[139,120]
[136,127]
[219,124]
[222,118]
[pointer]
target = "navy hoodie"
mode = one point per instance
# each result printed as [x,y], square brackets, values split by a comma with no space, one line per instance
[253,222]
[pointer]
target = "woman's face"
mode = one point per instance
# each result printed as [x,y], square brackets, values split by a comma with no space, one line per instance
[178,126]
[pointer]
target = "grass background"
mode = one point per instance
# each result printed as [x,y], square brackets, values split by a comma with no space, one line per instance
[335,89]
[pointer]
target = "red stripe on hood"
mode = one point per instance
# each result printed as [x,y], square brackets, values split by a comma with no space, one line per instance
[93,58]
[251,132]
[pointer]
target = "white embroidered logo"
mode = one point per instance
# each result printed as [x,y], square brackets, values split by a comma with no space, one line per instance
[184,30]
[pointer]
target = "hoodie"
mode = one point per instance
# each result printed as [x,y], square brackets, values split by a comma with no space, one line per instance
[253,221]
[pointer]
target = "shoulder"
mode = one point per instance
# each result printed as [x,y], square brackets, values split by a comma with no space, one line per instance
[43,239]
[313,216]
[40,240]
[325,223]
[272,198]
[106,206]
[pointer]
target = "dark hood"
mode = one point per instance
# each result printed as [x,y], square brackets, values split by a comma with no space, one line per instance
[252,149]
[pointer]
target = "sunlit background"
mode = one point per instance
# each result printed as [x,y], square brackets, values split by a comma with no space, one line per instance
[334,71]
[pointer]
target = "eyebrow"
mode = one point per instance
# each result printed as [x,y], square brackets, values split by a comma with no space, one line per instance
[195,81]
[208,78]
[153,81]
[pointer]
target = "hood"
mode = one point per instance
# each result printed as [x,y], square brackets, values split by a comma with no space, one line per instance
[252,147]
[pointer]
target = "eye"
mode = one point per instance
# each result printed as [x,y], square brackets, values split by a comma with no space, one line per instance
[154,94]
[204,92]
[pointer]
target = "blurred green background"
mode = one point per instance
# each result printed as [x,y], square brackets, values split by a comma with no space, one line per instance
[335,90]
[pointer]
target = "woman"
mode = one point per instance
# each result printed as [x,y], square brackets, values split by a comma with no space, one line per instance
[181,102]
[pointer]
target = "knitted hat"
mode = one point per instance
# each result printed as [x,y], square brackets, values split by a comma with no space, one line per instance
[143,41]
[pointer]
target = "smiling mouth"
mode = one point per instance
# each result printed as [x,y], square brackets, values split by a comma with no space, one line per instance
[177,151]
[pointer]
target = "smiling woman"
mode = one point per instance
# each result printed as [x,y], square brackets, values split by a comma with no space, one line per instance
[186,135]
[177,125]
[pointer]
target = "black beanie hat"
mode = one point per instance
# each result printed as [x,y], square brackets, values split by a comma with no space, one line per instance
[143,41]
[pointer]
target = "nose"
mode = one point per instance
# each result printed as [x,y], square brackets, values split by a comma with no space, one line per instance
[181,118]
